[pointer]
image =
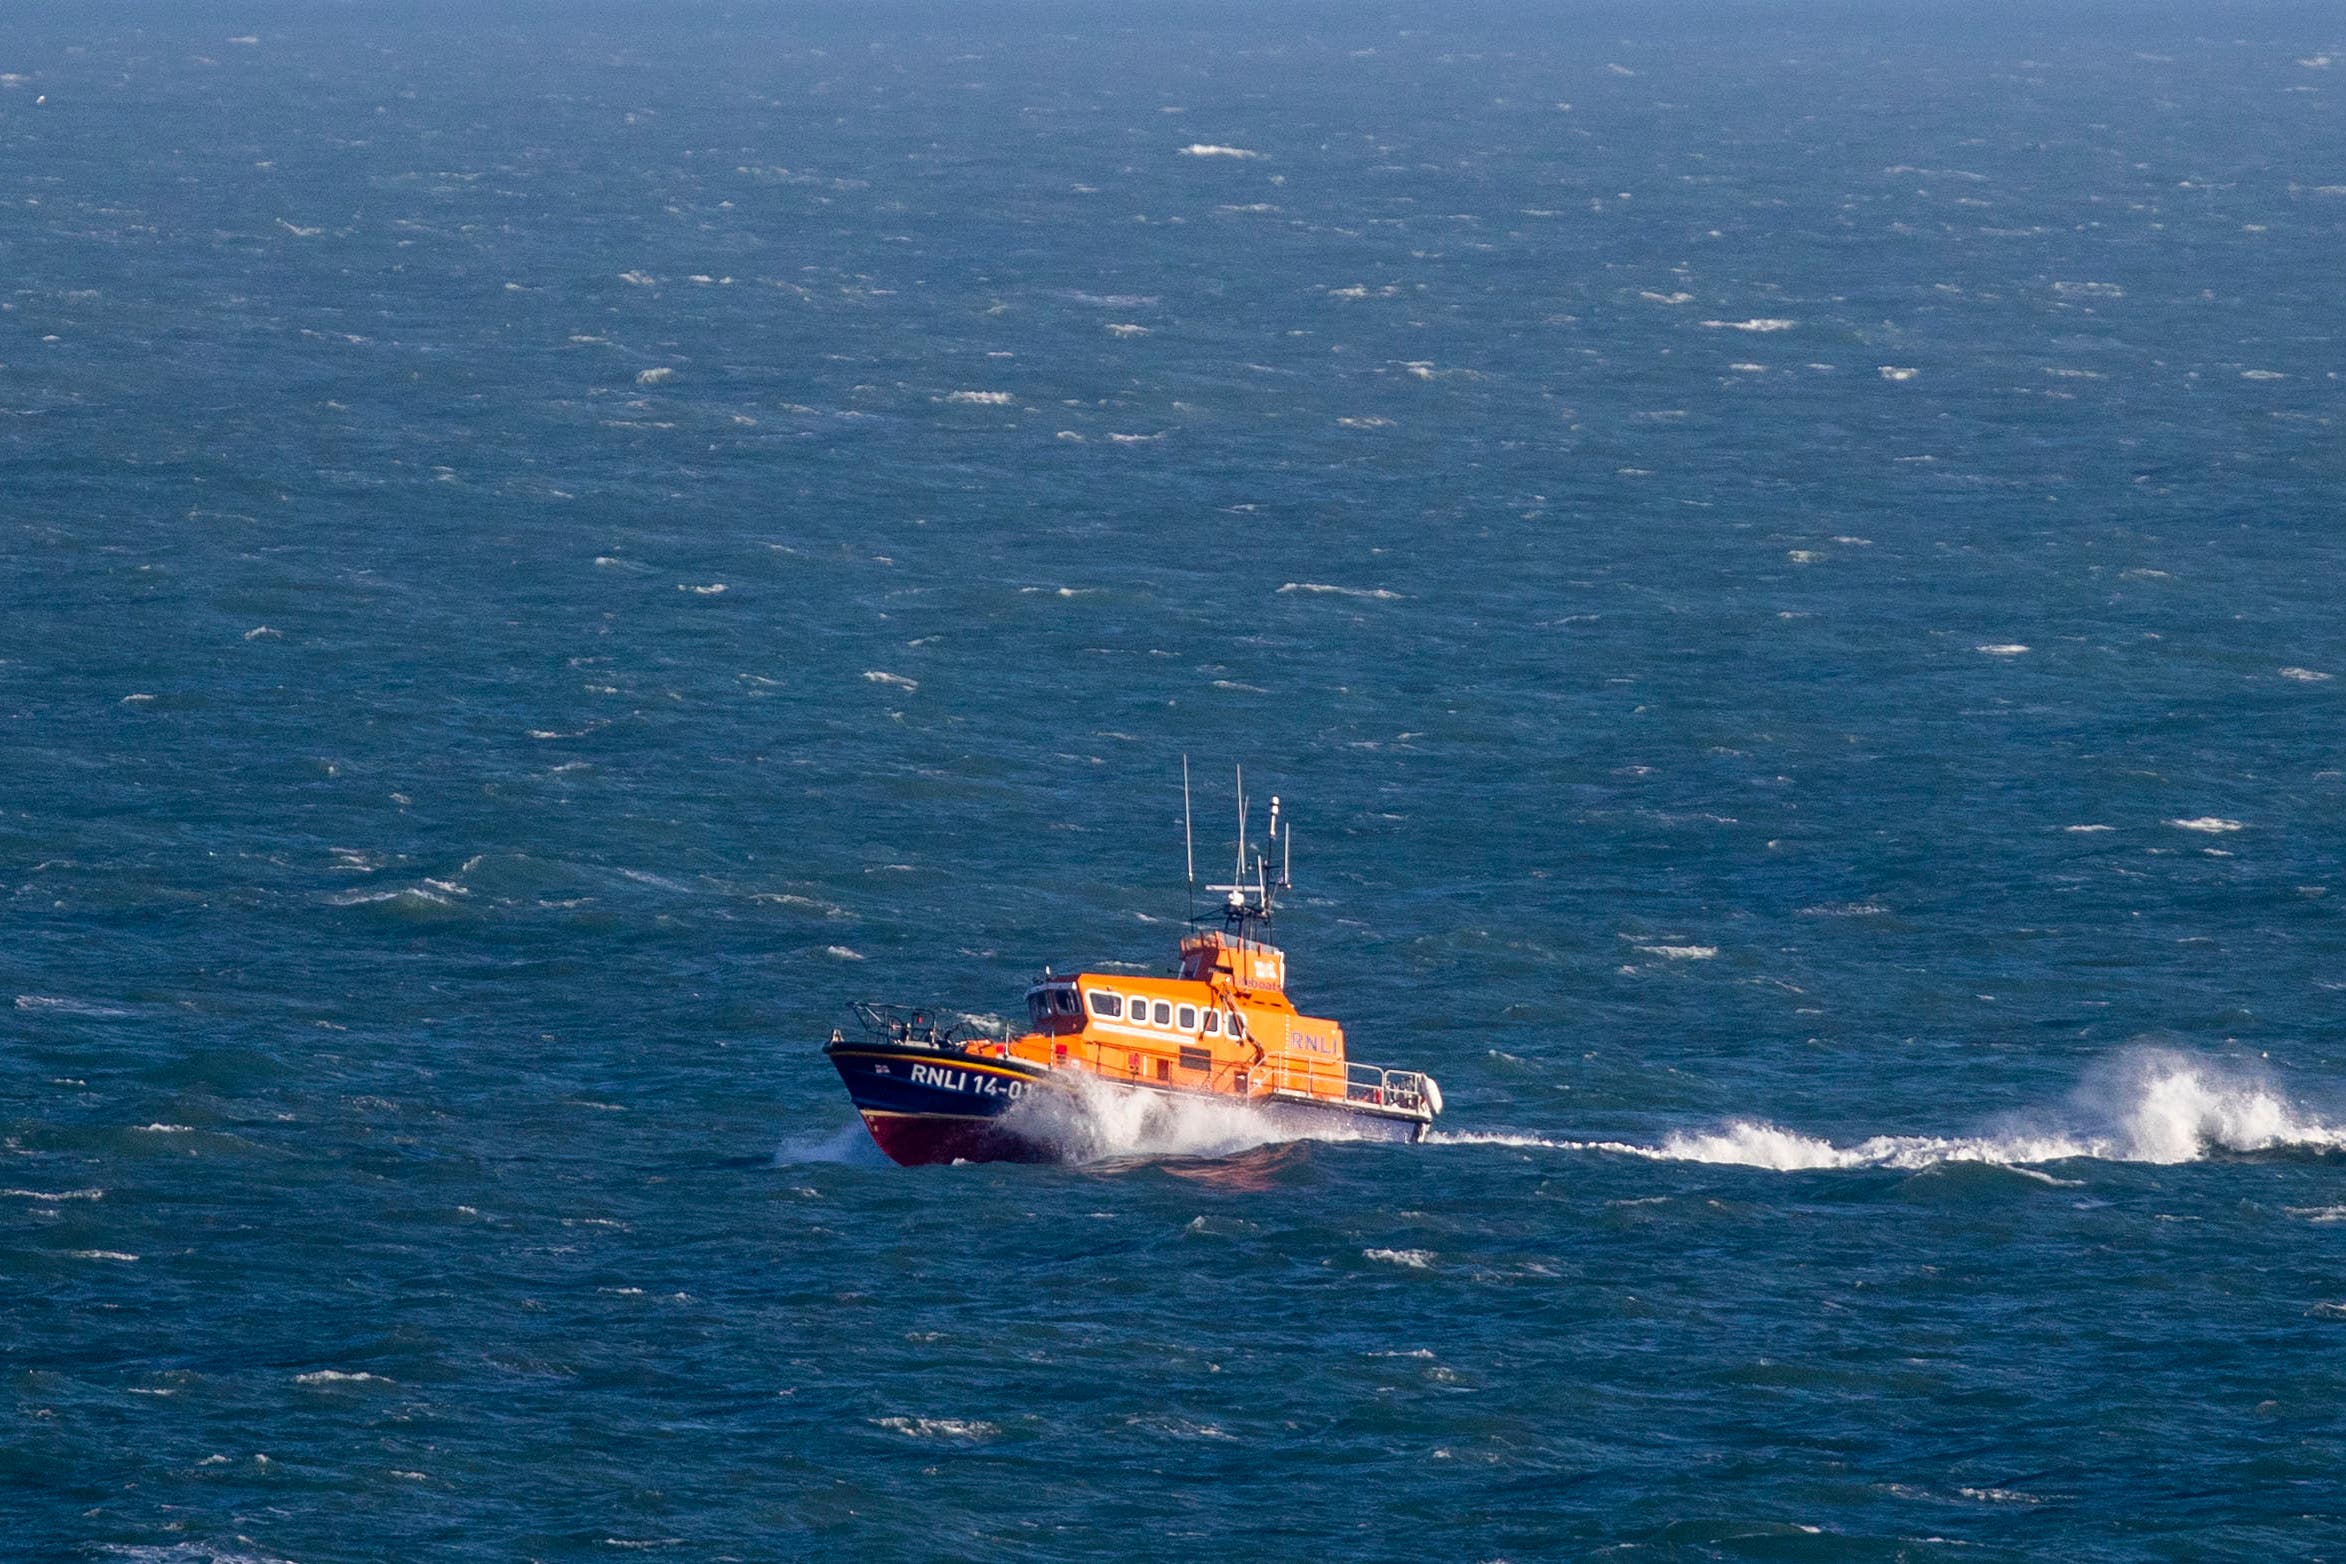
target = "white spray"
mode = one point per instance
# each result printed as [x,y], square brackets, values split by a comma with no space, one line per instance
[2149,1105]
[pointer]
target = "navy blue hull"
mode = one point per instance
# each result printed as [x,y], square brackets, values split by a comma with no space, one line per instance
[925,1106]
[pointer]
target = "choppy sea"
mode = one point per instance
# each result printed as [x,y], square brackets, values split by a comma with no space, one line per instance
[1784,560]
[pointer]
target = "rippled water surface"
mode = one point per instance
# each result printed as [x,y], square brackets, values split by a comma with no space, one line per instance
[1786,568]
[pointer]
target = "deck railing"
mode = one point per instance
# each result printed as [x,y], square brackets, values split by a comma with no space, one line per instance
[1367,1084]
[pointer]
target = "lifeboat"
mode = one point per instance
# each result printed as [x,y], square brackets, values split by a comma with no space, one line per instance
[1221,1029]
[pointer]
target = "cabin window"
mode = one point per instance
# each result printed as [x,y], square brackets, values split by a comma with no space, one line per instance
[1109,1005]
[1064,998]
[1197,1059]
[1038,1007]
[1164,1013]
[1164,1070]
[1188,1018]
[1213,1020]
[1237,1027]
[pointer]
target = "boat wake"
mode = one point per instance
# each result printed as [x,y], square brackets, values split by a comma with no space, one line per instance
[2148,1106]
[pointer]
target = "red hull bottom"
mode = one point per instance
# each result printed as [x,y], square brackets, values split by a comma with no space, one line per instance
[921,1140]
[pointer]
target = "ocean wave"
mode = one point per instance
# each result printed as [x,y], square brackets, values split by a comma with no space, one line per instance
[58,1004]
[1408,1259]
[938,1427]
[1322,588]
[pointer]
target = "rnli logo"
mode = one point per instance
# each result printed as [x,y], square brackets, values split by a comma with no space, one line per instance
[979,1082]
[1312,1042]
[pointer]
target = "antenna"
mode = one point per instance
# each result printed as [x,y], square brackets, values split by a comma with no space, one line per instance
[1238,876]
[1287,858]
[1261,871]
[1188,839]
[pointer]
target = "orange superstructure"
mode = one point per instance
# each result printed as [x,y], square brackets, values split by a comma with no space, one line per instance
[1225,1025]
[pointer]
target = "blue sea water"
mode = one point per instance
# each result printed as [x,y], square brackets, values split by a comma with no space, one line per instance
[1785,562]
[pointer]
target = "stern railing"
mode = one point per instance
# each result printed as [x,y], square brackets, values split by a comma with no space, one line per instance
[1367,1084]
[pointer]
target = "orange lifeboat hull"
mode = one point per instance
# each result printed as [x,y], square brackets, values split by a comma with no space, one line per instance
[926,1104]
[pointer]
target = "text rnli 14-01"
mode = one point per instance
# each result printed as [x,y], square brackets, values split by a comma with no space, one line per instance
[984,1083]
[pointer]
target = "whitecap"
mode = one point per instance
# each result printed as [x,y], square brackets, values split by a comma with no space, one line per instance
[1207,149]
[654,377]
[938,1427]
[896,679]
[339,1377]
[1410,1259]
[711,590]
[1760,323]
[980,398]
[60,1005]
[2209,824]
[1371,594]
[2304,675]
[1681,952]
[1897,372]
[2002,649]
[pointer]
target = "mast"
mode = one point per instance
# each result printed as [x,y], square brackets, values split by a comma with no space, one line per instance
[1251,895]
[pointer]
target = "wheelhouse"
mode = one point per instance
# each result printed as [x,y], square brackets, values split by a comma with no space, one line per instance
[1055,1008]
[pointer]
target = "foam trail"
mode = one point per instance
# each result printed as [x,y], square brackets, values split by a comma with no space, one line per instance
[2150,1106]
